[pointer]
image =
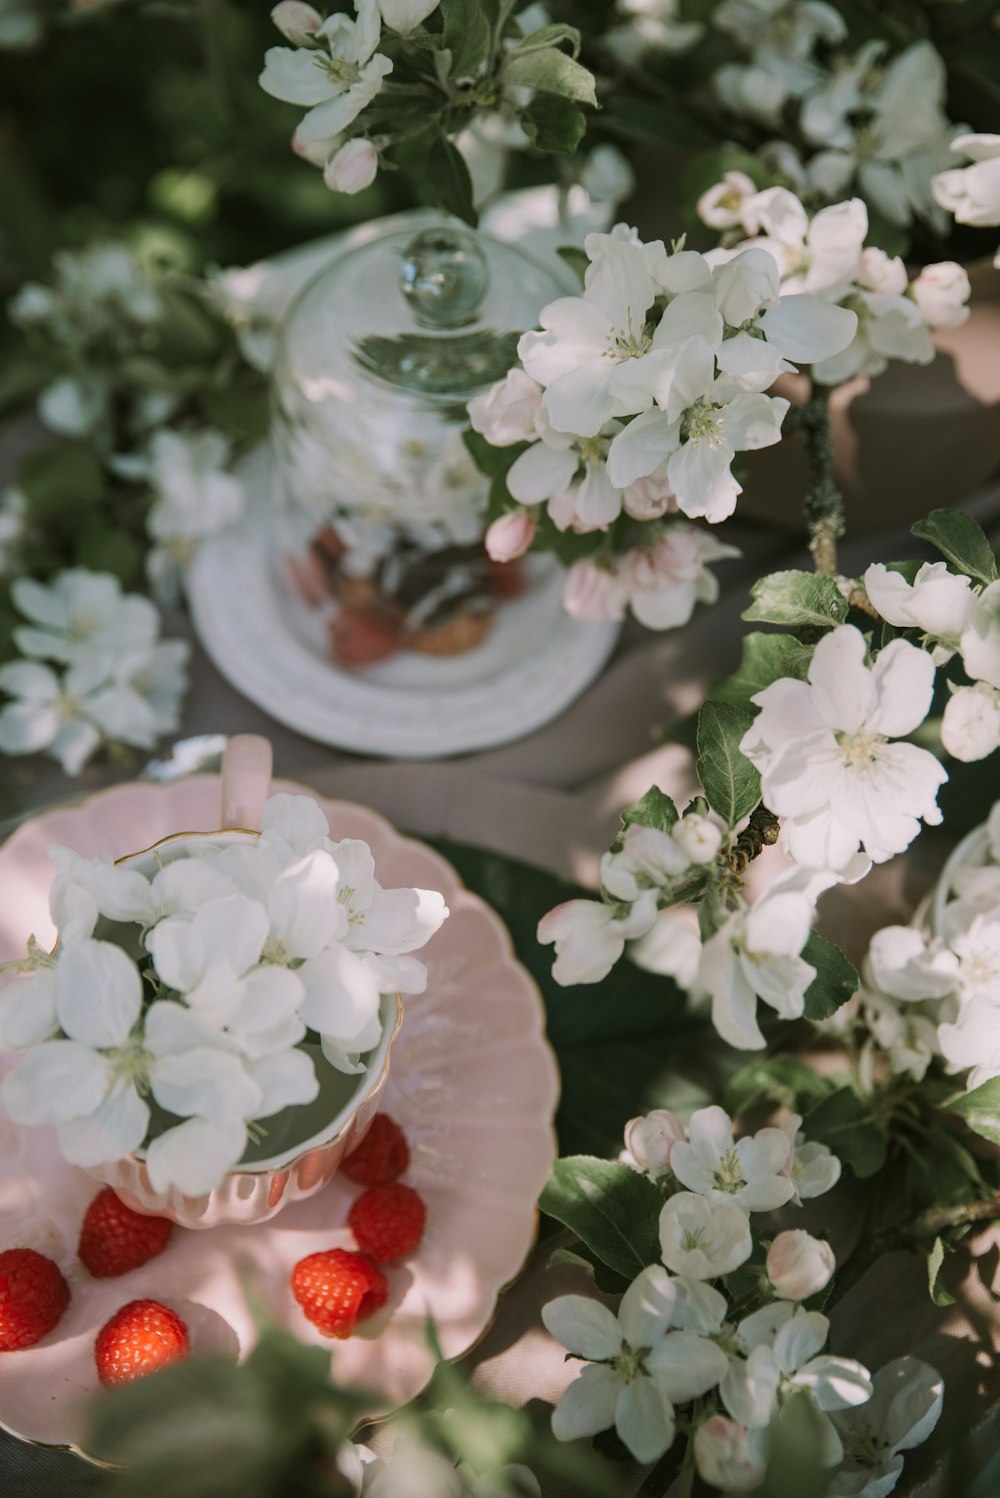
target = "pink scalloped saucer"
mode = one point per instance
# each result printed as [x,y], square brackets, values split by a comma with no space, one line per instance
[473,1083]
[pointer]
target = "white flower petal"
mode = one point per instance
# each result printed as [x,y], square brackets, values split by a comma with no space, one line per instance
[115,1129]
[98,993]
[194,1156]
[583,1326]
[55,1082]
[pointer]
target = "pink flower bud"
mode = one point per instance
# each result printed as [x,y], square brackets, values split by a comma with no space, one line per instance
[510,536]
[799,1265]
[941,292]
[728,1455]
[297,22]
[353,168]
[593,593]
[650,1140]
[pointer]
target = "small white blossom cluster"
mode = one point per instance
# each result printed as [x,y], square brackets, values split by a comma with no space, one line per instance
[933,992]
[971,194]
[956,616]
[684,1331]
[95,671]
[100,307]
[197,985]
[877,127]
[635,398]
[335,70]
[823,254]
[194,497]
[413,1470]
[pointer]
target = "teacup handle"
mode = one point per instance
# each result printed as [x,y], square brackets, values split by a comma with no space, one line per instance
[246,780]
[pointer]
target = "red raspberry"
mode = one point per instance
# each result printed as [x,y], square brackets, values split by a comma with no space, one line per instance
[382,1155]
[337,1289]
[114,1239]
[388,1221]
[360,638]
[139,1339]
[33,1296]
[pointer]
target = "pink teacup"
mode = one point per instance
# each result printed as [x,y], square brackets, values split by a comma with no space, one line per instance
[324,1131]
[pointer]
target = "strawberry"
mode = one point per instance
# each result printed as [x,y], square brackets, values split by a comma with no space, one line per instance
[138,1340]
[114,1239]
[382,1155]
[388,1221]
[360,638]
[336,1289]
[33,1296]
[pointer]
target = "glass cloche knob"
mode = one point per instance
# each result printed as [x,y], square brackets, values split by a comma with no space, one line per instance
[444,276]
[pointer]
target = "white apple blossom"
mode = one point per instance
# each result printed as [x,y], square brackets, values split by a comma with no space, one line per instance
[828,765]
[698,836]
[671,946]
[665,580]
[639,1366]
[907,1395]
[818,254]
[651,25]
[352,167]
[972,193]
[970,726]
[296,21]
[590,937]
[747,1172]
[812,1167]
[336,77]
[789,1358]
[98,293]
[594,593]
[195,497]
[82,617]
[505,413]
[905,1035]
[799,1265]
[980,640]
[650,1140]
[724,205]
[728,1456]
[903,963]
[938,602]
[649,859]
[701,1238]
[756,955]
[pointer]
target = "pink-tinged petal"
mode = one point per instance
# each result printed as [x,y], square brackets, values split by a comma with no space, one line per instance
[903,678]
[843,689]
[644,1419]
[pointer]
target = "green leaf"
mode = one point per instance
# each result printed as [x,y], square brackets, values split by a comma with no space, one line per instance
[242,412]
[703,169]
[577,259]
[981,1110]
[841,1122]
[107,550]
[610,1207]
[836,978]
[795,1445]
[468,36]
[961,541]
[581,1257]
[448,180]
[552,72]
[796,599]
[766,658]
[663,121]
[732,783]
[935,1263]
[781,1079]
[550,36]
[60,478]
[654,809]
[554,124]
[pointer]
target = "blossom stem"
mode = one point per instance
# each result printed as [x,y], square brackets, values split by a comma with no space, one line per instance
[760,832]
[823,503]
[912,1234]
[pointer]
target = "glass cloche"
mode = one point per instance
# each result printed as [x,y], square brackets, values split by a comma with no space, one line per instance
[380,507]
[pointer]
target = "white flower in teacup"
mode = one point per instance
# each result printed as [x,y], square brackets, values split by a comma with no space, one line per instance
[789,1360]
[82,617]
[701,1239]
[28,1010]
[639,1366]
[85,889]
[907,1395]
[747,1172]
[91,1082]
[391,922]
[342,998]
[337,78]
[293,826]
